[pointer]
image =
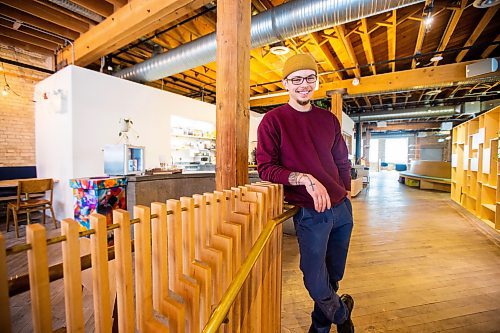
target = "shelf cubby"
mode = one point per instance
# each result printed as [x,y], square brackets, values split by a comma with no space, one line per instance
[475,175]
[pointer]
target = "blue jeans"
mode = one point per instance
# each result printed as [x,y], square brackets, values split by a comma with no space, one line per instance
[323,243]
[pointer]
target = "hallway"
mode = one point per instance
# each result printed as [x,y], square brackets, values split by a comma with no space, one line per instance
[417,263]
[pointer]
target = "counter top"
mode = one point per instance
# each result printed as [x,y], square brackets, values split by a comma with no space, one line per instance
[184,175]
[196,174]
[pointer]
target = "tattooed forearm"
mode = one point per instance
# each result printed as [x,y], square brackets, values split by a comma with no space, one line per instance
[294,177]
[298,178]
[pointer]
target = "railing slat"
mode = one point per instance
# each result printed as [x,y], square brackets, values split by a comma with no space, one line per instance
[123,265]
[213,257]
[165,301]
[197,269]
[143,276]
[38,268]
[100,274]
[181,284]
[4,289]
[72,276]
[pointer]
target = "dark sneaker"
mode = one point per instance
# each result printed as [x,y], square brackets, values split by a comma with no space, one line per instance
[347,326]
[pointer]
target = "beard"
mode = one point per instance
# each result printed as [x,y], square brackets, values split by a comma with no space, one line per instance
[303,102]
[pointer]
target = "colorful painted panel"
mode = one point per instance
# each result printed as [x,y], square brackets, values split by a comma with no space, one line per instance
[97,183]
[97,195]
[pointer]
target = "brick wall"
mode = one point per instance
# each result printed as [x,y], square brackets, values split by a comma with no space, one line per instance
[17,119]
[17,125]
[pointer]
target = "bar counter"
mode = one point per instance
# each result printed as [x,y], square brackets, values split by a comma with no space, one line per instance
[143,190]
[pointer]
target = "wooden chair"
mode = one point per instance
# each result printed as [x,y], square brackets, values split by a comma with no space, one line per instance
[25,203]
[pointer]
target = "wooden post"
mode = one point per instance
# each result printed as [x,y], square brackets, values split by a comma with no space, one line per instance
[233,92]
[337,106]
[72,276]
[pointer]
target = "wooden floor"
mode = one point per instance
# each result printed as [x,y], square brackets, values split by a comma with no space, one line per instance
[417,263]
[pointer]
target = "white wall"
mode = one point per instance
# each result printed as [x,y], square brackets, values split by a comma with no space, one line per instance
[54,137]
[70,136]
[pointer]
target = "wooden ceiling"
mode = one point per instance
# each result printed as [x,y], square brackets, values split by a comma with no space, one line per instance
[390,42]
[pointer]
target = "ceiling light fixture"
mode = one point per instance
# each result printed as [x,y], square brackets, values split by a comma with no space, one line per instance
[428,16]
[437,58]
[355,81]
[279,48]
[17,25]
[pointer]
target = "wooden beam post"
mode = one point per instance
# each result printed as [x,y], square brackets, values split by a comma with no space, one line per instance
[426,76]
[233,92]
[336,109]
[124,26]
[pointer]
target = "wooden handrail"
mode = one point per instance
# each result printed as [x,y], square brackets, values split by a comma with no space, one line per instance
[222,309]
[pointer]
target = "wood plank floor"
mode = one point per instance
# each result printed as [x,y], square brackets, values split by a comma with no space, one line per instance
[417,263]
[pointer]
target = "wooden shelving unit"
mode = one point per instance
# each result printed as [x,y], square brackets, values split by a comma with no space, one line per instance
[475,170]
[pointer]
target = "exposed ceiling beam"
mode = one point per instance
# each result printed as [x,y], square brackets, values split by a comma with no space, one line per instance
[346,42]
[450,28]
[58,9]
[118,3]
[26,38]
[367,45]
[486,53]
[25,46]
[427,76]
[420,36]
[490,13]
[126,25]
[27,30]
[391,39]
[38,22]
[48,14]
[100,7]
[318,41]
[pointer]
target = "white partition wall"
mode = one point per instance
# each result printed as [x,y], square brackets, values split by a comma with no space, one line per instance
[77,112]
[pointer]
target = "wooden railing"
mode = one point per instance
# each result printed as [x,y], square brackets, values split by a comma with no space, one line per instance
[188,252]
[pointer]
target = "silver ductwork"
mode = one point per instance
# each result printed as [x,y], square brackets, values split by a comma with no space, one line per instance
[289,20]
[429,112]
[78,9]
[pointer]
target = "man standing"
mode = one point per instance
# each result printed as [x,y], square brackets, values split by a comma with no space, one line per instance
[301,146]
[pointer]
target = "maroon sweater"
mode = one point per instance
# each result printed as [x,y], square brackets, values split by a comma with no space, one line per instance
[309,142]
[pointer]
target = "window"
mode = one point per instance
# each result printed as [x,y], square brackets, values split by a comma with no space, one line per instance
[396,150]
[373,153]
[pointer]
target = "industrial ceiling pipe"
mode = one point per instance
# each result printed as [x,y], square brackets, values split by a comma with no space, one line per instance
[435,111]
[292,19]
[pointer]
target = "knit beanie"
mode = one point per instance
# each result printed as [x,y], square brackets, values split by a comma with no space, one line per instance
[298,62]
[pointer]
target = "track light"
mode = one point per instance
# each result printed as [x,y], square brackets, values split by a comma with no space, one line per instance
[436,58]
[428,16]
[428,21]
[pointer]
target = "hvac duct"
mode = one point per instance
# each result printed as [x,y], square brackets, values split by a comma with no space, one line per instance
[289,20]
[437,111]
[78,9]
